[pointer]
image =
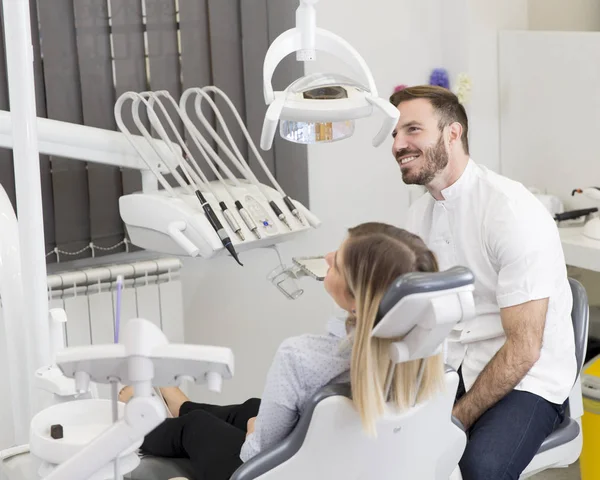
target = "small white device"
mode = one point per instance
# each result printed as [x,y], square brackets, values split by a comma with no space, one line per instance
[591,228]
[285,277]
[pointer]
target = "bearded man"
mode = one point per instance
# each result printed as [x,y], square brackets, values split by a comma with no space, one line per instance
[516,358]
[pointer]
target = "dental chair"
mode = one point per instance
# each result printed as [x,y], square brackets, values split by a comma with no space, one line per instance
[329,443]
[563,446]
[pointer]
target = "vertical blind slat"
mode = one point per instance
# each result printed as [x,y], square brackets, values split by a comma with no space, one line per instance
[227,67]
[98,98]
[255,43]
[195,64]
[130,67]
[163,59]
[163,53]
[63,102]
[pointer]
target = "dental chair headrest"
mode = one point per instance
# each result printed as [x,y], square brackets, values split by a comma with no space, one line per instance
[424,307]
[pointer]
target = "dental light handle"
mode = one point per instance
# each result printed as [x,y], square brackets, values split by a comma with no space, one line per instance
[176,230]
[391,116]
[142,415]
[270,123]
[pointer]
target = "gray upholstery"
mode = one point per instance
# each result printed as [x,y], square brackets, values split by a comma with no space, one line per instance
[566,431]
[160,468]
[267,460]
[569,428]
[580,316]
[421,282]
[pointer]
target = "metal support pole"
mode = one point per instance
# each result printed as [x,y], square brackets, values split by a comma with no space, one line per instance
[19,62]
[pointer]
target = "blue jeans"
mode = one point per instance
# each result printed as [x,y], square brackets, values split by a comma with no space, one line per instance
[506,437]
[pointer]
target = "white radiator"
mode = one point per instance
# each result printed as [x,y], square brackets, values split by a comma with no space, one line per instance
[152,290]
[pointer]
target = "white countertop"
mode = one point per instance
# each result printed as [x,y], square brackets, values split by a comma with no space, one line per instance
[580,251]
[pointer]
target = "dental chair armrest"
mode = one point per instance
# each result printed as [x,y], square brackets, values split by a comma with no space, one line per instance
[455,421]
[458,423]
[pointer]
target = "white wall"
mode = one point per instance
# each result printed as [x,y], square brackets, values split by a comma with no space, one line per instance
[350,182]
[571,15]
[550,115]
[470,44]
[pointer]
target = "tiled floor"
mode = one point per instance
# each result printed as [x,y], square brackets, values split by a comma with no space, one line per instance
[571,473]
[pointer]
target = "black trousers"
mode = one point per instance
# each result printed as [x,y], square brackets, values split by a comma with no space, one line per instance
[211,436]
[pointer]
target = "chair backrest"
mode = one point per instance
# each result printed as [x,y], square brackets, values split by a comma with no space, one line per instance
[580,317]
[329,442]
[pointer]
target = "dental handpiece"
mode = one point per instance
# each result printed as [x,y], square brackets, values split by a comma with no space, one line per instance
[279,213]
[288,202]
[233,224]
[247,219]
[216,224]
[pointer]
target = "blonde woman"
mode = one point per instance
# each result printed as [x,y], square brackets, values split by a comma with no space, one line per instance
[217,439]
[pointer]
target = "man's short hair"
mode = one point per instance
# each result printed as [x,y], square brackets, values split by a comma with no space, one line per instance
[443,101]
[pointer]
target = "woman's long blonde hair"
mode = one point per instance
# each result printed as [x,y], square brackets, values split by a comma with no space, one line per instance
[375,254]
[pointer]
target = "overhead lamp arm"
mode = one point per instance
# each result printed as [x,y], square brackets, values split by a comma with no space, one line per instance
[291,41]
[306,23]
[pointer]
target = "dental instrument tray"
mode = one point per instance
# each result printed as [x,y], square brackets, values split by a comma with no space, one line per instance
[172,363]
[177,225]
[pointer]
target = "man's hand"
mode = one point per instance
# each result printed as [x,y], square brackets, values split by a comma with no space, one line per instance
[524,328]
[250,426]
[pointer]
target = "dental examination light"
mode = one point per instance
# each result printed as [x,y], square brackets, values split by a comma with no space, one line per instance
[320,107]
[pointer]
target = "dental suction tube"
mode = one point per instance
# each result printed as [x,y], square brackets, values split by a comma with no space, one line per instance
[206,207]
[208,210]
[203,181]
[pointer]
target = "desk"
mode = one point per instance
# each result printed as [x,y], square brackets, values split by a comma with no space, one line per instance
[580,251]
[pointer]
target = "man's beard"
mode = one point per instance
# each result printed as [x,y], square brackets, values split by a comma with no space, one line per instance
[434,159]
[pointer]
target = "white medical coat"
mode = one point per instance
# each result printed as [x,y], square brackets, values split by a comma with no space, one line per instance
[499,230]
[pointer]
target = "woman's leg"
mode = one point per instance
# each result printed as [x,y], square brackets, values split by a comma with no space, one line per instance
[212,445]
[179,404]
[174,398]
[236,415]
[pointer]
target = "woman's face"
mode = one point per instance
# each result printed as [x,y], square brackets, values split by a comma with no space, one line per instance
[335,283]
